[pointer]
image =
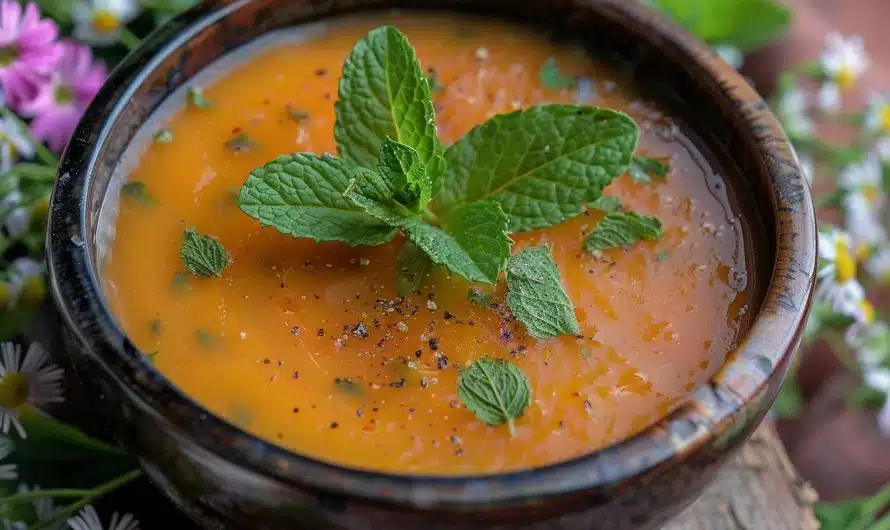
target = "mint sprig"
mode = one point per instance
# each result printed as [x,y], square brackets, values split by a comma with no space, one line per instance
[535,295]
[542,164]
[203,255]
[383,94]
[622,230]
[496,391]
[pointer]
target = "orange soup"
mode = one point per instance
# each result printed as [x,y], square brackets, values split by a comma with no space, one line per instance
[309,345]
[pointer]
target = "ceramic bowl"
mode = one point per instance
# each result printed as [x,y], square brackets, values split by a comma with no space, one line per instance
[224,477]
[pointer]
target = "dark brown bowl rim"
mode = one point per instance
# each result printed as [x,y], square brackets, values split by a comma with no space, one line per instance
[715,410]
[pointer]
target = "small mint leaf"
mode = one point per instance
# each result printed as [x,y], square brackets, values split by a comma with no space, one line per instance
[242,143]
[383,93]
[496,391]
[542,164]
[164,136]
[203,255]
[621,230]
[196,97]
[137,191]
[413,267]
[302,195]
[401,165]
[536,296]
[478,297]
[643,168]
[551,77]
[607,204]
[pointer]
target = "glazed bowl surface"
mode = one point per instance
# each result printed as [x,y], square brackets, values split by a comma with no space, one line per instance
[224,477]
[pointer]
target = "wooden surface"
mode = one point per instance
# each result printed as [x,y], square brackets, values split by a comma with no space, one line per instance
[758,490]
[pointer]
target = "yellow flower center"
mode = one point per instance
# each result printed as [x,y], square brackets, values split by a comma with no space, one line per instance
[868,311]
[870,192]
[846,78]
[13,390]
[104,21]
[863,251]
[845,265]
[33,292]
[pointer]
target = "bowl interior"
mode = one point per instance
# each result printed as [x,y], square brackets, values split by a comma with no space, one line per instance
[725,113]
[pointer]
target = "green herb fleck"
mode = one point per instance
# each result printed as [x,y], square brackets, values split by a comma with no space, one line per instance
[535,294]
[296,113]
[560,157]
[137,191]
[150,357]
[164,136]
[413,267]
[478,297]
[622,230]
[607,204]
[662,256]
[348,386]
[203,255]
[242,416]
[496,391]
[383,94]
[180,282]
[206,339]
[241,143]
[551,77]
[156,326]
[643,168]
[196,97]
[433,80]
[586,352]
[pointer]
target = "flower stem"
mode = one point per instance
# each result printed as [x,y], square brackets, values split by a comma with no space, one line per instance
[89,496]
[129,39]
[43,153]
[19,498]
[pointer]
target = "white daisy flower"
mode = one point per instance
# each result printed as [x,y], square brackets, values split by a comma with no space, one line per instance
[44,507]
[843,61]
[88,519]
[863,223]
[882,149]
[791,109]
[7,471]
[836,261]
[14,144]
[26,283]
[99,22]
[878,265]
[877,115]
[14,217]
[732,55]
[34,381]
[871,343]
[864,177]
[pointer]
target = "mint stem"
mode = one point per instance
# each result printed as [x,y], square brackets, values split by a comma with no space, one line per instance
[512,426]
[430,217]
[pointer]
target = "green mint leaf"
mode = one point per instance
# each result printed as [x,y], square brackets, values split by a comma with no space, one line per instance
[375,193]
[302,195]
[433,80]
[241,143]
[413,267]
[536,296]
[164,136]
[383,94]
[551,77]
[662,256]
[196,98]
[643,168]
[203,256]
[745,24]
[137,191]
[542,164]
[472,242]
[607,204]
[296,113]
[400,165]
[621,230]
[496,391]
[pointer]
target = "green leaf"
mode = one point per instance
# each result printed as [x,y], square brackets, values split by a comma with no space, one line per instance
[196,98]
[551,77]
[414,266]
[745,24]
[241,143]
[203,255]
[866,397]
[662,255]
[478,297]
[852,514]
[535,294]
[542,164]
[164,136]
[607,204]
[137,191]
[496,391]
[50,440]
[789,402]
[621,230]
[401,165]
[472,242]
[302,195]
[383,94]
[643,168]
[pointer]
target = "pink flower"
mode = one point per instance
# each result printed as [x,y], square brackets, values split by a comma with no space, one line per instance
[61,101]
[28,51]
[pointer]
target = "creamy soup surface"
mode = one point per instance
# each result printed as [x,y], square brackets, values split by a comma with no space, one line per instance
[309,346]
